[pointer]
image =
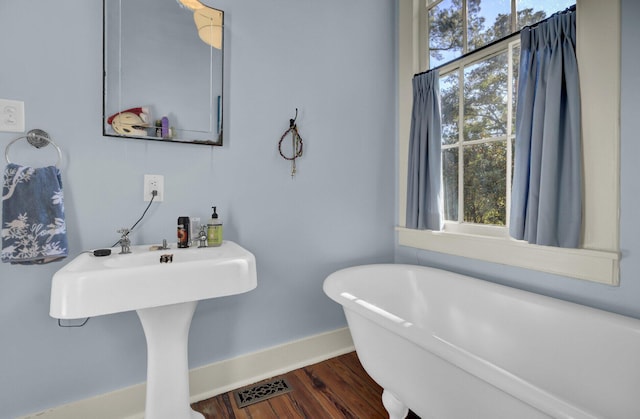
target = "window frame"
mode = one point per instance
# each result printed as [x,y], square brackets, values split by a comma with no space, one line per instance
[598,258]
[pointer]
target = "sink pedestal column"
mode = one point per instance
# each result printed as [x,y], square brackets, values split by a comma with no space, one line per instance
[166,329]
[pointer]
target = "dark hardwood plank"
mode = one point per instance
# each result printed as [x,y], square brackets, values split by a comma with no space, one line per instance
[307,395]
[350,367]
[259,411]
[355,389]
[216,407]
[326,395]
[286,406]
[336,388]
[347,391]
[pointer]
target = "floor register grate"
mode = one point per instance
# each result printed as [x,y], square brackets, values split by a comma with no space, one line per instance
[259,392]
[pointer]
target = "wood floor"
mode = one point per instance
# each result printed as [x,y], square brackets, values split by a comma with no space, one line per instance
[336,388]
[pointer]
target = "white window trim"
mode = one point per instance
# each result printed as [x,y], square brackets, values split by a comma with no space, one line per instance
[599,66]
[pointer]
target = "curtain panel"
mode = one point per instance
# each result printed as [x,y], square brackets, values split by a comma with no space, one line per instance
[424,181]
[546,197]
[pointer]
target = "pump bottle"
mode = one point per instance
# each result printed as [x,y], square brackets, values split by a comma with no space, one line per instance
[214,230]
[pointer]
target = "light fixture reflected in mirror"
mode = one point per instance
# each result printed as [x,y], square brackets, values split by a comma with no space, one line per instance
[191,4]
[209,24]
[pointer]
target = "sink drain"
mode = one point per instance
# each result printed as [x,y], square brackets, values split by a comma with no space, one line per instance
[259,392]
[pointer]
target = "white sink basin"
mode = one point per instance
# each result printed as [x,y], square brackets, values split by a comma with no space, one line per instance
[94,285]
[164,296]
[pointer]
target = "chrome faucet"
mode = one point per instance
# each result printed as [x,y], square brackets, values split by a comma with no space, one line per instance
[202,237]
[124,241]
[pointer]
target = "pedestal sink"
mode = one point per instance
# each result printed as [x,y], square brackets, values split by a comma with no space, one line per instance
[165,295]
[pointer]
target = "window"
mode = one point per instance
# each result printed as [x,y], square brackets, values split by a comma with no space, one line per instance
[478,112]
[478,93]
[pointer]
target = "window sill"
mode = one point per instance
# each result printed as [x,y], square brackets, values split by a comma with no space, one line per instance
[591,265]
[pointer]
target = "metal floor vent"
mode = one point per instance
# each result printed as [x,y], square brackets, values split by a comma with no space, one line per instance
[259,392]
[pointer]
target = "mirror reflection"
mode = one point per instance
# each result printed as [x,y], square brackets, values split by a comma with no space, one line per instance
[163,67]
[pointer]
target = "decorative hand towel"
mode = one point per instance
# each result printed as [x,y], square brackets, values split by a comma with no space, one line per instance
[33,227]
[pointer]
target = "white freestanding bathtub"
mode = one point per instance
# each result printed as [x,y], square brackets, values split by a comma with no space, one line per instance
[449,346]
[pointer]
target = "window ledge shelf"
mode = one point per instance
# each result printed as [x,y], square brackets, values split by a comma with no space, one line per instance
[587,264]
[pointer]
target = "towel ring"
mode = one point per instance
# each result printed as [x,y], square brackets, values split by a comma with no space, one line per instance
[37,138]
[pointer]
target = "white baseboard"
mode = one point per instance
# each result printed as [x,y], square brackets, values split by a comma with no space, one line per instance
[213,379]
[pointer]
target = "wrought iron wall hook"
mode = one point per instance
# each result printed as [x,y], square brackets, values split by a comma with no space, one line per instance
[292,122]
[296,143]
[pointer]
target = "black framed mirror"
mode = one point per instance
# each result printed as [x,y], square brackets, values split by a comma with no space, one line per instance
[163,71]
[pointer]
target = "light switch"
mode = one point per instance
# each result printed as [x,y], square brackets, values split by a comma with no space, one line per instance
[11,115]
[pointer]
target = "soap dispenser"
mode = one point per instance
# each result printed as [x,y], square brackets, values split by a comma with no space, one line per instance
[214,230]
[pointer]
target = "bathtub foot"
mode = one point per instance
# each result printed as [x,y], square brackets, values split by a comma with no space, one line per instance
[396,409]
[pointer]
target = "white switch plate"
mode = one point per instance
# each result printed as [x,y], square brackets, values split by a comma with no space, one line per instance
[11,115]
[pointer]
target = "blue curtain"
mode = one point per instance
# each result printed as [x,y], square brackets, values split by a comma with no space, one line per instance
[424,184]
[546,197]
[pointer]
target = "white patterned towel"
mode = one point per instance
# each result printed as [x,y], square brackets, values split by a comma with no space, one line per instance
[33,227]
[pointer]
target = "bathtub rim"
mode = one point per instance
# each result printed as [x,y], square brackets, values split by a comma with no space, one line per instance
[329,288]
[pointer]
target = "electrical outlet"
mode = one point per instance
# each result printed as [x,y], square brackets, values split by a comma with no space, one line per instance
[153,183]
[11,115]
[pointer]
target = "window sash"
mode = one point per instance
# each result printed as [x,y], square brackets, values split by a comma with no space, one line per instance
[424,29]
[507,44]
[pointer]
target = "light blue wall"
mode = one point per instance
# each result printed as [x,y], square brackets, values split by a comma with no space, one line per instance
[333,60]
[624,299]
[328,59]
